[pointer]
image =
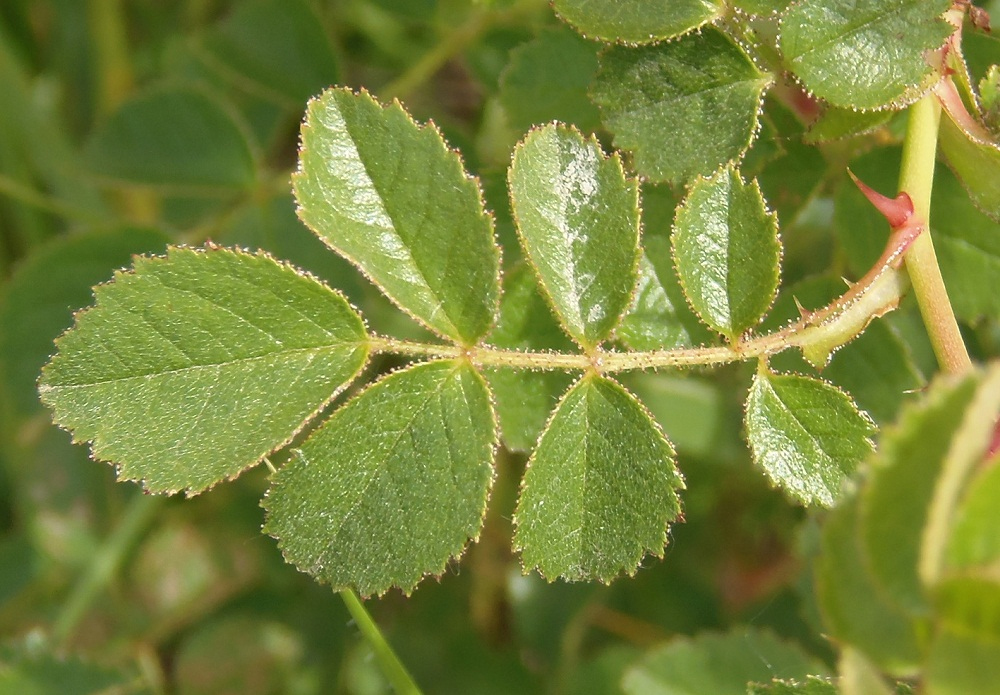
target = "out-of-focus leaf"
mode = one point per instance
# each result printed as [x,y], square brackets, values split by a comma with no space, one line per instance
[727,252]
[43,674]
[684,107]
[637,21]
[806,434]
[719,664]
[176,137]
[279,46]
[855,609]
[547,80]
[974,539]
[393,485]
[863,54]
[391,197]
[959,663]
[975,161]
[810,686]
[192,367]
[600,487]
[578,218]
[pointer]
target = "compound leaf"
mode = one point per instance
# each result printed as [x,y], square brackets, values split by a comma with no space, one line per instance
[393,485]
[727,252]
[578,218]
[599,489]
[863,54]
[637,21]
[192,367]
[391,197]
[806,434]
[683,108]
[721,664]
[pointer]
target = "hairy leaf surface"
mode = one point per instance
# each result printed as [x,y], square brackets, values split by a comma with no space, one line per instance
[393,485]
[684,107]
[637,21]
[391,197]
[806,434]
[578,218]
[192,367]
[599,489]
[727,252]
[863,54]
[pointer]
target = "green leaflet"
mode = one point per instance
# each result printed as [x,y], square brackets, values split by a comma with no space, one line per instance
[637,21]
[854,608]
[578,219]
[392,198]
[175,137]
[806,434]
[959,663]
[760,7]
[838,123]
[599,489]
[684,107]
[547,80]
[193,367]
[524,398]
[727,252]
[863,54]
[720,664]
[974,539]
[393,485]
[278,48]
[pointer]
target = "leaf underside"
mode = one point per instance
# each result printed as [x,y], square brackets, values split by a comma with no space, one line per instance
[192,367]
[393,485]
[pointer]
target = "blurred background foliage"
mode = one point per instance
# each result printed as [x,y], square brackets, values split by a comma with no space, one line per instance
[126,125]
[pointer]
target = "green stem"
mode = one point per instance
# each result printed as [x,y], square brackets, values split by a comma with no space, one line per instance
[917,180]
[401,680]
[104,564]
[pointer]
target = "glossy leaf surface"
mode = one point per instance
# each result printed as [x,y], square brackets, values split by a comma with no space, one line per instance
[637,21]
[391,197]
[578,218]
[806,434]
[191,368]
[863,54]
[721,664]
[600,487]
[393,485]
[727,252]
[684,107]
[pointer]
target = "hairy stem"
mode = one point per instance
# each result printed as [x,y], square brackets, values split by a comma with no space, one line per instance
[392,667]
[917,180]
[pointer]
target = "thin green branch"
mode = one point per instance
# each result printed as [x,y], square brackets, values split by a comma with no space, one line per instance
[817,334]
[103,565]
[392,667]
[917,180]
